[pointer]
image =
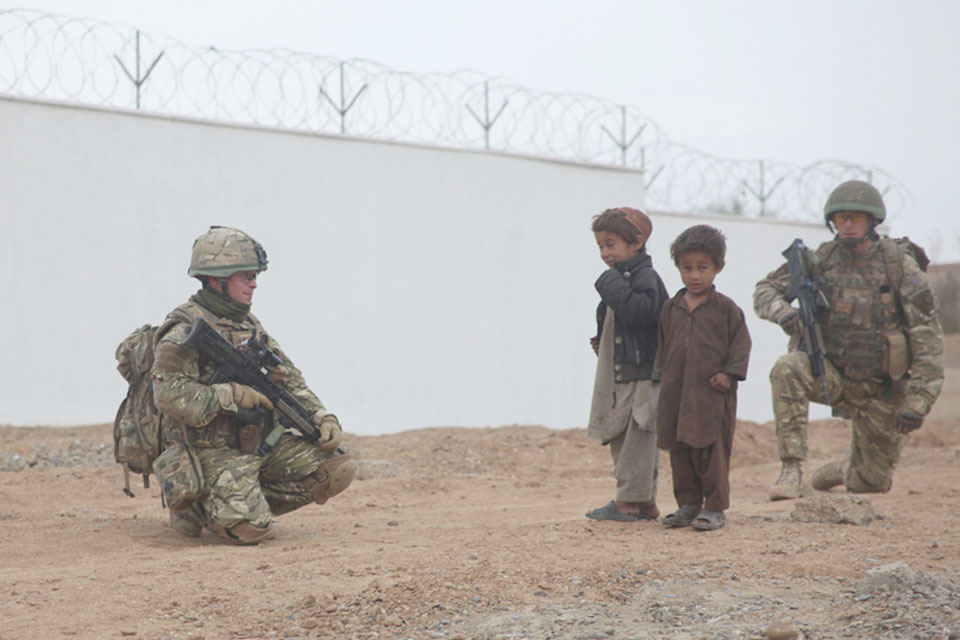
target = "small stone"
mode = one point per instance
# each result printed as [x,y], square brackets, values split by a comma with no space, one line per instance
[308,602]
[309,624]
[837,509]
[128,633]
[890,577]
[782,630]
[393,523]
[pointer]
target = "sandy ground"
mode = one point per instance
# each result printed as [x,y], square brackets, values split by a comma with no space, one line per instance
[480,533]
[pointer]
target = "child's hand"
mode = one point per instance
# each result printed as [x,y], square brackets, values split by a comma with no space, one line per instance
[721,382]
[595,343]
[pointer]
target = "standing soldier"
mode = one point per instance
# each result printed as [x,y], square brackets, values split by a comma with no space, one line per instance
[883,344]
[240,490]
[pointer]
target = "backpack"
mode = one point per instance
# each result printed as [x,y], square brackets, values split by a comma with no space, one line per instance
[137,426]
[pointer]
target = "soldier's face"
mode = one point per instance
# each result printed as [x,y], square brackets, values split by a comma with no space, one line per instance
[240,286]
[697,271]
[851,224]
[613,248]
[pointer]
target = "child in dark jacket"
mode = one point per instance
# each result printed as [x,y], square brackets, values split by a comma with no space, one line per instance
[704,347]
[624,403]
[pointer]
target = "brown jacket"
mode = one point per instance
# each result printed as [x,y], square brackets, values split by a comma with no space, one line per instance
[692,348]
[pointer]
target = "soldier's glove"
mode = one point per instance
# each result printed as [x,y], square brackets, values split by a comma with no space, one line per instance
[790,322]
[331,435]
[249,398]
[908,421]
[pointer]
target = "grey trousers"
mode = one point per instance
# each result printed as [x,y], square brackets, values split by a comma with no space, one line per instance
[636,464]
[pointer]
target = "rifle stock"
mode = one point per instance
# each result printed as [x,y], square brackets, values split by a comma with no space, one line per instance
[805,290]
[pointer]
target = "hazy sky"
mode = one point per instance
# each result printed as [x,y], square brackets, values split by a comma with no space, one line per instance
[875,82]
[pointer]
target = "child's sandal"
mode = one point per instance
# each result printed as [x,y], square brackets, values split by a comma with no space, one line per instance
[709,520]
[682,517]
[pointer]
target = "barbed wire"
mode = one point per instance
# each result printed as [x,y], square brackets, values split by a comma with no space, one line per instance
[94,63]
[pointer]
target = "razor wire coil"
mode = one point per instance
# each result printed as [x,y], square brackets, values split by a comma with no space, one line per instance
[89,62]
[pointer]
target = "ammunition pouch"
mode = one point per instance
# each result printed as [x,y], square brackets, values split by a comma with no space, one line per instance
[896,354]
[863,354]
[858,353]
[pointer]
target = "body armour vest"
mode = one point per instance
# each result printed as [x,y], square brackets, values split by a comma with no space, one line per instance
[223,430]
[864,315]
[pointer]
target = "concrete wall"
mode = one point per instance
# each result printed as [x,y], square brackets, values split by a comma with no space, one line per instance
[413,286]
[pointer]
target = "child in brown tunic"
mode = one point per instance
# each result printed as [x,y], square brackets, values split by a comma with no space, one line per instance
[702,352]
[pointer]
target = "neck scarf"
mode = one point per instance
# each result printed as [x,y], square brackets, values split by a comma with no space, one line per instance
[222,305]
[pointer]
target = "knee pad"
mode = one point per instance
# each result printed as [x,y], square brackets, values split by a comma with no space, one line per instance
[332,477]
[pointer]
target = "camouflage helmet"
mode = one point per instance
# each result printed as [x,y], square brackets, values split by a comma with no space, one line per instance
[222,251]
[855,195]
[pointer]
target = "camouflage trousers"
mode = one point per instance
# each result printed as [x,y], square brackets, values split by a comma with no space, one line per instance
[875,443]
[241,487]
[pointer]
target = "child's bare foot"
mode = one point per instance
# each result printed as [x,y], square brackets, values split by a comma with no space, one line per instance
[644,511]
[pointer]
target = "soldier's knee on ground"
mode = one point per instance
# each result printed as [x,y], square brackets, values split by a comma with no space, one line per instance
[332,477]
[245,533]
[855,482]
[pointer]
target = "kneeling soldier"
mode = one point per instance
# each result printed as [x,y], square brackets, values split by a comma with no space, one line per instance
[239,490]
[883,344]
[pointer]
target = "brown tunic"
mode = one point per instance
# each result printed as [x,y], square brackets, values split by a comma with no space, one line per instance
[692,348]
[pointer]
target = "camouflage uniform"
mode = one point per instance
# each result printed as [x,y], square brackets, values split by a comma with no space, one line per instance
[241,491]
[872,337]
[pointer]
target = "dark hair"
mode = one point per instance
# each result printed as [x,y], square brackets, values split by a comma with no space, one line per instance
[703,238]
[615,221]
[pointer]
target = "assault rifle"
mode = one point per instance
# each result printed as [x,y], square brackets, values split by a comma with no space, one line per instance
[250,365]
[806,291]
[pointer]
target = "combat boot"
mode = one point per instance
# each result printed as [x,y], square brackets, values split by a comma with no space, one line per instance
[184,524]
[829,475]
[333,476]
[789,485]
[245,533]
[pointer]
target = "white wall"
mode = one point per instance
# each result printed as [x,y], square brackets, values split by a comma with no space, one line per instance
[414,286]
